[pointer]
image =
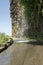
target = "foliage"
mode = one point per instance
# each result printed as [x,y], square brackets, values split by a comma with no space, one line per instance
[33,13]
[3,38]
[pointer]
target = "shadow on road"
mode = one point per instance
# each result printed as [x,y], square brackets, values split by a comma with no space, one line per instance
[35,42]
[1,50]
[31,42]
[8,44]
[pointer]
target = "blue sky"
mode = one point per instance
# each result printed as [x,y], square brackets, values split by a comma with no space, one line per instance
[5,20]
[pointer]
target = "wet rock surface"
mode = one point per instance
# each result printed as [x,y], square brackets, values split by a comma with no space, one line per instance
[19,23]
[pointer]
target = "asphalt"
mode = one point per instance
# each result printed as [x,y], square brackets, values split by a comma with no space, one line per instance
[23,54]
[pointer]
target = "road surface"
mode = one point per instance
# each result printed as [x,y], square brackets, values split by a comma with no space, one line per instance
[22,54]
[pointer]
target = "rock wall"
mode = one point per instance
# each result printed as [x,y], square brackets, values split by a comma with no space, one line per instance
[19,26]
[15,13]
[23,28]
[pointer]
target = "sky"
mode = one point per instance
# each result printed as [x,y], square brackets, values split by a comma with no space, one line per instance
[5,20]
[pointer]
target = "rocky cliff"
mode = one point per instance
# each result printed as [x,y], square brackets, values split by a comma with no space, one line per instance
[19,24]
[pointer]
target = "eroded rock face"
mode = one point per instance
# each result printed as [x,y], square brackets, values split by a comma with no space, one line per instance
[15,13]
[19,26]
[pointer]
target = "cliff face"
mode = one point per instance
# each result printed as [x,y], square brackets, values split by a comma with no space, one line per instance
[19,24]
[15,13]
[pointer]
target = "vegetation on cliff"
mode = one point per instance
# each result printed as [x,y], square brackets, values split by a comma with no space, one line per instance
[34,14]
[33,10]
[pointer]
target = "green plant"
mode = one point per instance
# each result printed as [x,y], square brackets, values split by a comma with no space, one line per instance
[3,38]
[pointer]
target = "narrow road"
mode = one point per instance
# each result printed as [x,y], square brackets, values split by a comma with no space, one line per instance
[22,54]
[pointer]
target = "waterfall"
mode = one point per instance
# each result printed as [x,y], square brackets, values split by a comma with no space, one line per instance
[22,23]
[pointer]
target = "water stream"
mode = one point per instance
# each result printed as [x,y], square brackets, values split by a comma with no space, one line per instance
[24,25]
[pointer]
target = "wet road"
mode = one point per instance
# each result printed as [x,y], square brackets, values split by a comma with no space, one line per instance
[22,54]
